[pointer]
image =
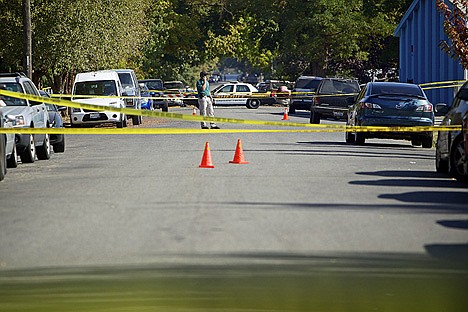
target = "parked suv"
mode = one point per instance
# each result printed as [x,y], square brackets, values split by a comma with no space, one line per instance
[333,97]
[451,146]
[26,114]
[303,93]
[130,86]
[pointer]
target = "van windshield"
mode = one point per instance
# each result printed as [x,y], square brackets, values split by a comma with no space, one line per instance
[100,88]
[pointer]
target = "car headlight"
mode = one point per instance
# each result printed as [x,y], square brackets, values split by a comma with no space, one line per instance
[18,121]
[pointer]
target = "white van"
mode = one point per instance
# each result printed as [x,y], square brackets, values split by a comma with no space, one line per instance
[130,86]
[98,83]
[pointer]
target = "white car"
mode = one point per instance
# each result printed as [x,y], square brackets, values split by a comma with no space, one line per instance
[8,156]
[236,94]
[100,84]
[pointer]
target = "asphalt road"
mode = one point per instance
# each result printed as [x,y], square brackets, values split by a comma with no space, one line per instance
[141,200]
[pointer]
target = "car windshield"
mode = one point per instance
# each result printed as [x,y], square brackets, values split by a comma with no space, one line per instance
[307,83]
[11,101]
[154,85]
[100,88]
[174,85]
[399,89]
[126,80]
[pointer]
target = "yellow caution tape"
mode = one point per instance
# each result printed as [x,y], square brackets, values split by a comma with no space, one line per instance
[188,117]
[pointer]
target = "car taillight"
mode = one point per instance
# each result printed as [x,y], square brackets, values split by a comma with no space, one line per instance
[426,108]
[317,100]
[370,105]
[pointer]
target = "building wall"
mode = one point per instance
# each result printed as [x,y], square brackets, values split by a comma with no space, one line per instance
[421,58]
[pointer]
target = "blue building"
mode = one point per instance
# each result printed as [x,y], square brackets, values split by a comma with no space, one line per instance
[421,59]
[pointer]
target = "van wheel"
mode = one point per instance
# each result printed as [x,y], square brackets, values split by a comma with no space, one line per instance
[60,147]
[292,110]
[3,165]
[120,123]
[360,138]
[29,153]
[136,120]
[43,151]
[427,142]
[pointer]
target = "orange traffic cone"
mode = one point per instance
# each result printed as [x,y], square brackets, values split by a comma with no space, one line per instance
[239,155]
[206,159]
[194,112]
[285,115]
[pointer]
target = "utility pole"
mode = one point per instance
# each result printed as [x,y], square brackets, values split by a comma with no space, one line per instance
[27,60]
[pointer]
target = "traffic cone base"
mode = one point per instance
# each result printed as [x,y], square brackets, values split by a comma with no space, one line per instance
[206,159]
[239,155]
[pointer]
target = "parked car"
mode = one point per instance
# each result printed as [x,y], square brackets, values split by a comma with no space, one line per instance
[333,97]
[98,84]
[174,92]
[303,93]
[156,90]
[391,104]
[129,83]
[8,156]
[278,91]
[147,101]
[26,114]
[55,118]
[236,94]
[451,146]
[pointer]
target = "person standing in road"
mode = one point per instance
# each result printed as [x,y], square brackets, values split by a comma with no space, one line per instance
[205,100]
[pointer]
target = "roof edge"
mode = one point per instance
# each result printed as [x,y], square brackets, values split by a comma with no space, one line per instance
[410,10]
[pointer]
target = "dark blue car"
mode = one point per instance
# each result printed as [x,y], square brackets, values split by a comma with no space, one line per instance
[391,104]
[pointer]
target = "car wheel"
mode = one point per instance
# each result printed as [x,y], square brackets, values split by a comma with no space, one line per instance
[292,109]
[60,147]
[350,137]
[253,104]
[441,164]
[458,161]
[3,165]
[43,151]
[427,142]
[416,142]
[165,107]
[29,154]
[360,138]
[12,161]
[120,123]
[135,120]
[314,117]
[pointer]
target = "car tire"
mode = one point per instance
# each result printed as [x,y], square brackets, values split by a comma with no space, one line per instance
[43,151]
[120,123]
[458,162]
[253,104]
[292,109]
[165,107]
[416,142]
[12,161]
[314,117]
[60,147]
[136,120]
[441,164]
[3,164]
[350,137]
[360,138]
[29,153]
[427,142]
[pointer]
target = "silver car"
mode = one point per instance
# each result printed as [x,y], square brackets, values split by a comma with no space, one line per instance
[26,114]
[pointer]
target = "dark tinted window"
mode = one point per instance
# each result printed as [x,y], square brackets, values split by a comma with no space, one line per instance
[397,89]
[330,86]
[11,101]
[154,85]
[307,83]
[242,88]
[126,80]
[174,85]
[463,94]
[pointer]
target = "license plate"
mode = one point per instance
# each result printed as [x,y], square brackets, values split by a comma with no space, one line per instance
[338,114]
[94,115]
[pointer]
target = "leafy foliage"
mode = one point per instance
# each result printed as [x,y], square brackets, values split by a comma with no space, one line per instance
[456,27]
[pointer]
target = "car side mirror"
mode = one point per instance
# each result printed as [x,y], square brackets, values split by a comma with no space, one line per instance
[441,109]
